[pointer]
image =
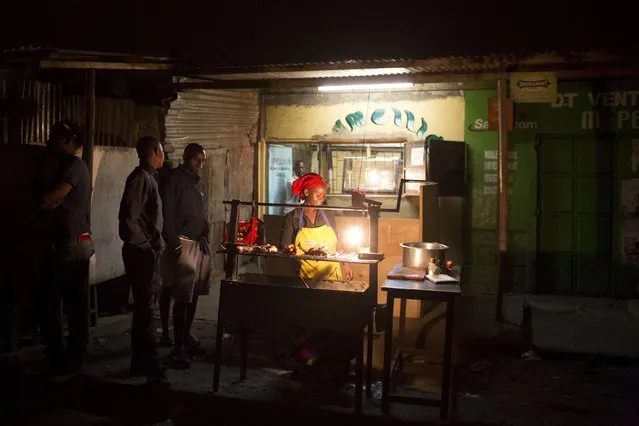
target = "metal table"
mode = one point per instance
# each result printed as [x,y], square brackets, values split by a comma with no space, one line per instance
[419,290]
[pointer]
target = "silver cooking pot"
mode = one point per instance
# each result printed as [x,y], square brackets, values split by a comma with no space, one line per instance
[418,254]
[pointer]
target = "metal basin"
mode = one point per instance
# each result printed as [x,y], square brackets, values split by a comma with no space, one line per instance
[418,254]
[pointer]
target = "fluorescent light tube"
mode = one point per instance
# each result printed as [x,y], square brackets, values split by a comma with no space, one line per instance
[365,87]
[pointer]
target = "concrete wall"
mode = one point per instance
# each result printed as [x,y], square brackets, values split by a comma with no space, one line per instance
[111,166]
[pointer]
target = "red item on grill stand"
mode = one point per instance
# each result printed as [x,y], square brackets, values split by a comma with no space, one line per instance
[248,232]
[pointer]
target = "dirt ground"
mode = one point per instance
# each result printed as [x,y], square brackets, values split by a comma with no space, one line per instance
[491,390]
[547,392]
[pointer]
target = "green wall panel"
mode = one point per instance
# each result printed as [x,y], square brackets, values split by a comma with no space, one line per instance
[576,169]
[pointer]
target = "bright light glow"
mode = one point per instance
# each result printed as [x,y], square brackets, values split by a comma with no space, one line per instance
[372,179]
[365,87]
[353,236]
[377,180]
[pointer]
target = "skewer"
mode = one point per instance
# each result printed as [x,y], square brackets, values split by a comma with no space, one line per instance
[304,281]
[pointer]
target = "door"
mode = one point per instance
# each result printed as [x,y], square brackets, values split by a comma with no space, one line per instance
[574,216]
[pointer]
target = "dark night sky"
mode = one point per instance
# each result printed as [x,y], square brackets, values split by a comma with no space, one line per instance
[254,31]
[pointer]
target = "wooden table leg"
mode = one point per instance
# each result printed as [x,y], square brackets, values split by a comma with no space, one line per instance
[229,349]
[359,373]
[369,357]
[219,337]
[243,351]
[448,346]
[402,322]
[388,350]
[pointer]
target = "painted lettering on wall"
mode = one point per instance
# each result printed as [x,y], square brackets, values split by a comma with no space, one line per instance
[491,166]
[280,167]
[382,116]
[481,125]
[613,108]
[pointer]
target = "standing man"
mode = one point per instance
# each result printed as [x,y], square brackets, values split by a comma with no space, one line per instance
[298,171]
[140,220]
[186,230]
[65,186]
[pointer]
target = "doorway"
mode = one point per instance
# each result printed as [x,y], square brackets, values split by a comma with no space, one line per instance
[574,215]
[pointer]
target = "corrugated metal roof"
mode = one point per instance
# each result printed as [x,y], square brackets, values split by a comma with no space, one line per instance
[42,52]
[46,57]
[366,68]
[212,118]
[399,66]
[334,69]
[360,72]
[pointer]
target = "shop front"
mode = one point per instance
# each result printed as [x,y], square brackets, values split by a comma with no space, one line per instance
[366,140]
[572,191]
[571,170]
[573,197]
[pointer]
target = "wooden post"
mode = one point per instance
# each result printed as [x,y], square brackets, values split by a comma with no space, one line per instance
[502,222]
[262,175]
[14,114]
[89,121]
[259,168]
[87,156]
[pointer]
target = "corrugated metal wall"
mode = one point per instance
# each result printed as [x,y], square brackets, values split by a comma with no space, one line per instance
[119,122]
[224,122]
[114,119]
[45,105]
[212,118]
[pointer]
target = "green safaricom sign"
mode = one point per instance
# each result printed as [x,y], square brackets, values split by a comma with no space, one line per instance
[382,116]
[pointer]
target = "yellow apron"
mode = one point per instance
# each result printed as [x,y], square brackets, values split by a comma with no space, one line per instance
[322,236]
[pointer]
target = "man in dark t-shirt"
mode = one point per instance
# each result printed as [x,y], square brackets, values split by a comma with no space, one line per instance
[65,189]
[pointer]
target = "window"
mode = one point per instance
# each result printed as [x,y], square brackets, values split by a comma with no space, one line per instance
[375,167]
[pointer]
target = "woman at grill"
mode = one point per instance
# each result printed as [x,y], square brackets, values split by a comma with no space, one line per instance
[310,228]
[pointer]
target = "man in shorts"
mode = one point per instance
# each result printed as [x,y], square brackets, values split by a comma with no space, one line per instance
[187,259]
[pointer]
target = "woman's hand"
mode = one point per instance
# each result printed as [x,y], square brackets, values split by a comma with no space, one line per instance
[348,272]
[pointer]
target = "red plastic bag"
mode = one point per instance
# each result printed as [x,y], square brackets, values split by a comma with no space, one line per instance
[248,232]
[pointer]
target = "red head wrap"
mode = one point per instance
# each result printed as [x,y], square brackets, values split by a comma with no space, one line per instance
[308,181]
